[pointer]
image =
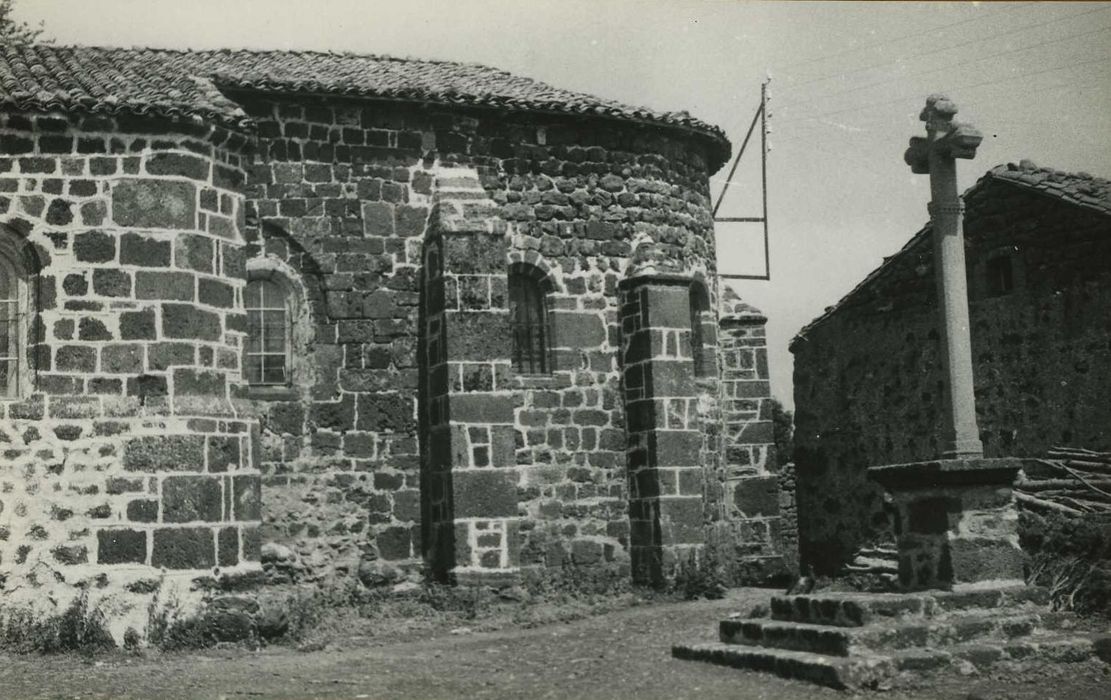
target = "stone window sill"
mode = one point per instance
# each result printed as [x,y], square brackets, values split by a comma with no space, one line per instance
[272,393]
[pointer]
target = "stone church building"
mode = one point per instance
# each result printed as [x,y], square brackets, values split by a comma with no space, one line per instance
[868,385]
[373,314]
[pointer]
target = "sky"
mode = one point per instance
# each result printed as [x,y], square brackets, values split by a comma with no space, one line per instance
[847,83]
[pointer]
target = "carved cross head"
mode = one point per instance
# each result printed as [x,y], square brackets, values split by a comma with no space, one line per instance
[948,138]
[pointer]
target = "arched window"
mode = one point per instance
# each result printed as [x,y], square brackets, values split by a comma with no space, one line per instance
[14,297]
[528,316]
[267,360]
[699,308]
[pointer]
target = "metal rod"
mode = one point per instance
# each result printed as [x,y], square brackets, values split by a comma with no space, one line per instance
[764,277]
[739,219]
[737,160]
[764,174]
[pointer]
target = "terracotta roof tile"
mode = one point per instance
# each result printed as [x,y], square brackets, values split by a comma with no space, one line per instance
[183,84]
[1075,188]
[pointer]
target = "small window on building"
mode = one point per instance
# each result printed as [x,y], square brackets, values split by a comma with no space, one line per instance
[700,306]
[266,361]
[1000,276]
[528,316]
[11,325]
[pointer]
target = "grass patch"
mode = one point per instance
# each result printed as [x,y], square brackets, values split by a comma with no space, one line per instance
[77,629]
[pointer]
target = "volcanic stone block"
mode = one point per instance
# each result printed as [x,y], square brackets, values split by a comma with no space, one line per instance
[485,493]
[184,548]
[175,286]
[681,520]
[137,325]
[757,496]
[167,204]
[248,497]
[670,378]
[478,335]
[481,408]
[223,453]
[194,252]
[178,164]
[121,547]
[385,412]
[111,283]
[578,330]
[142,511]
[667,305]
[335,415]
[674,448]
[976,559]
[144,251]
[189,498]
[184,321]
[191,382]
[227,543]
[155,453]
[122,358]
[395,543]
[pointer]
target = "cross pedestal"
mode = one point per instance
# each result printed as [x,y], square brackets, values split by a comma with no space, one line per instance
[956,525]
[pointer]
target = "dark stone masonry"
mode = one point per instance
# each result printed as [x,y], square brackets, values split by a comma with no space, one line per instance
[266,321]
[868,385]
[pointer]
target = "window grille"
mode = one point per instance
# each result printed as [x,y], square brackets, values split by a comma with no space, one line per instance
[11,345]
[268,334]
[528,316]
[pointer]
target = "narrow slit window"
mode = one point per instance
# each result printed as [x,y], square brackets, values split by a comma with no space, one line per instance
[699,305]
[1000,276]
[268,334]
[528,316]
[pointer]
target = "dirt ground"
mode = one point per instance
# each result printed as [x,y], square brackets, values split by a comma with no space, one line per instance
[623,654]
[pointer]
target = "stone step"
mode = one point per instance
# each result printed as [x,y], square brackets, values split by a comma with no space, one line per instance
[1048,648]
[881,636]
[833,671]
[858,609]
[864,671]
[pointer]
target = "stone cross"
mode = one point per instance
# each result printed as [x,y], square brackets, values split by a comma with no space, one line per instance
[936,154]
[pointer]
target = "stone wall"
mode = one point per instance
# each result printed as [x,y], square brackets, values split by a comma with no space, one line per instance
[754,530]
[404,437]
[128,459]
[343,197]
[867,380]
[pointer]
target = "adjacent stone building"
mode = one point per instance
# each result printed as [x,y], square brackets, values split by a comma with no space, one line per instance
[377,315]
[867,378]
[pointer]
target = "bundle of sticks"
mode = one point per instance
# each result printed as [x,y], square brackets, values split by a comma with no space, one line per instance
[1068,480]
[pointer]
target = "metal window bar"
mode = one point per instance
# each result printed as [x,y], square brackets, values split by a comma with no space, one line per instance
[10,344]
[9,347]
[267,356]
[528,317]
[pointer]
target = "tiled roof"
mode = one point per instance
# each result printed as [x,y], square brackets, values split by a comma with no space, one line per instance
[1079,189]
[182,83]
[1075,188]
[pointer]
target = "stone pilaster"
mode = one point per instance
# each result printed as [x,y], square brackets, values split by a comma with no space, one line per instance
[753,529]
[470,475]
[666,479]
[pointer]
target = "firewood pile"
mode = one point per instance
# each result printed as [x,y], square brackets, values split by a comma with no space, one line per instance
[1068,480]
